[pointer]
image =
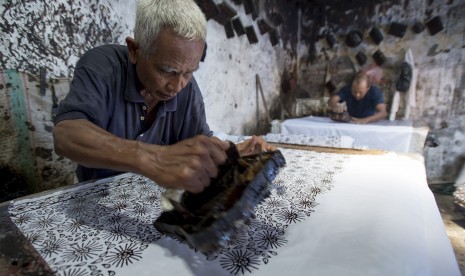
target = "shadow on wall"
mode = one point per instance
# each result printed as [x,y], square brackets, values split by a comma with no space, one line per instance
[14,184]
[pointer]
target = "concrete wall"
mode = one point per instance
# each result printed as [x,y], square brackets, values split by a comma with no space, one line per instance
[28,163]
[39,35]
[228,78]
[40,43]
[53,35]
[438,59]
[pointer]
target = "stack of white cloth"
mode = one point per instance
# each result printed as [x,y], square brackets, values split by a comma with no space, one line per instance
[459,194]
[346,142]
[333,141]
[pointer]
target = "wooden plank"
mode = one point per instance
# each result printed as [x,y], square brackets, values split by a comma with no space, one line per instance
[17,255]
[329,149]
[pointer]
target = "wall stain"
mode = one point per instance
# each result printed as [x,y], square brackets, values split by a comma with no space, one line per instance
[48,34]
[14,184]
[43,153]
[30,126]
[48,128]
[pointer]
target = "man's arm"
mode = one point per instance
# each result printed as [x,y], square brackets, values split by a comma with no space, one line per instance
[187,165]
[380,114]
[333,104]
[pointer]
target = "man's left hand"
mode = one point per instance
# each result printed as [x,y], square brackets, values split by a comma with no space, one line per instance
[253,146]
[359,120]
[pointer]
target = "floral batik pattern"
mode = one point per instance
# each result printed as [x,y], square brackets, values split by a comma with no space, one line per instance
[98,228]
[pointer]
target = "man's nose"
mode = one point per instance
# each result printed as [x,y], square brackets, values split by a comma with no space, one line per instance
[176,83]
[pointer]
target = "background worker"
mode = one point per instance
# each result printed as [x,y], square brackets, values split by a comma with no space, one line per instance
[364,102]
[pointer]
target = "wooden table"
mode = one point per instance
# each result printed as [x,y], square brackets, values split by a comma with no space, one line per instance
[17,255]
[398,136]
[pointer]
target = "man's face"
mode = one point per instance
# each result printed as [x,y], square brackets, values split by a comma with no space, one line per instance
[170,67]
[359,89]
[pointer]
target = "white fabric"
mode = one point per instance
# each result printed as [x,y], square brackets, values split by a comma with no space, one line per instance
[459,196]
[298,139]
[229,137]
[380,219]
[409,96]
[329,214]
[411,93]
[319,141]
[460,181]
[394,106]
[383,135]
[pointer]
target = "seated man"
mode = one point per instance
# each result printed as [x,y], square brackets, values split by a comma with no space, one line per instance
[365,102]
[139,109]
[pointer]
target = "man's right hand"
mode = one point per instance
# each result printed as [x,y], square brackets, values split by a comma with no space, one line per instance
[188,165]
[334,104]
[338,108]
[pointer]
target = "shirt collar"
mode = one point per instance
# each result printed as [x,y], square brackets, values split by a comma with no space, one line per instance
[132,93]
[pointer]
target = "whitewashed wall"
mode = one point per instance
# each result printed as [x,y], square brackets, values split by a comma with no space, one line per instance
[53,35]
[37,34]
[228,78]
[439,61]
[63,30]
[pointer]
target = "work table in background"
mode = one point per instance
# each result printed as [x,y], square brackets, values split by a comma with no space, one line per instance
[398,136]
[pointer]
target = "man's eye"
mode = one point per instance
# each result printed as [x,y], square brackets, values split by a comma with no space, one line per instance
[187,75]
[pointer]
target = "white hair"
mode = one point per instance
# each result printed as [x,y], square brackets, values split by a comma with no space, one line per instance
[183,17]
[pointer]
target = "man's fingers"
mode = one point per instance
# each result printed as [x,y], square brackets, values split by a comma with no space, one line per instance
[261,145]
[251,144]
[270,147]
[210,168]
[217,150]
[191,164]
[223,145]
[197,177]
[254,145]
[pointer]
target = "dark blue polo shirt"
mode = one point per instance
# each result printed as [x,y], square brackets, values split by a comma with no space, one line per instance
[105,91]
[366,106]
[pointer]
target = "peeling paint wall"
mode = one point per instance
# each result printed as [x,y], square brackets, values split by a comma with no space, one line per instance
[40,43]
[28,163]
[39,35]
[47,38]
[228,78]
[439,61]
[54,34]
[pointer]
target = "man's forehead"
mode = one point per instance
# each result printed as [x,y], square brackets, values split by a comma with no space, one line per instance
[169,68]
[360,84]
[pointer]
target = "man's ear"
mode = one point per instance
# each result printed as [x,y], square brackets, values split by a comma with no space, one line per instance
[133,49]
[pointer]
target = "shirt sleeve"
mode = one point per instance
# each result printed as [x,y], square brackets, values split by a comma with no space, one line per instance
[343,93]
[378,97]
[87,99]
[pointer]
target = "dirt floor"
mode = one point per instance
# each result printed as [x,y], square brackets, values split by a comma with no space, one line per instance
[454,222]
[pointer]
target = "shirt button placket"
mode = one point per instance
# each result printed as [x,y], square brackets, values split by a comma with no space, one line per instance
[142,117]
[144,108]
